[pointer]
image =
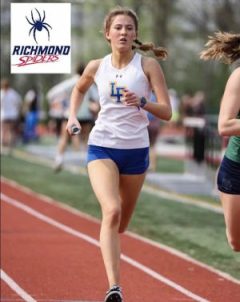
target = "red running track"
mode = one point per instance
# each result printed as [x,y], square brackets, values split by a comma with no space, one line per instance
[50,253]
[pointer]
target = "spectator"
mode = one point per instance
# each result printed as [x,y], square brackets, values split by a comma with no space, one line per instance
[31,115]
[198,104]
[153,132]
[186,109]
[11,104]
[199,134]
[175,103]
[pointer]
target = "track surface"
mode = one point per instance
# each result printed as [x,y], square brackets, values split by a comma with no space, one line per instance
[51,253]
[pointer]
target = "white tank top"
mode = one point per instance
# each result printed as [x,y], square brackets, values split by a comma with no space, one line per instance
[117,125]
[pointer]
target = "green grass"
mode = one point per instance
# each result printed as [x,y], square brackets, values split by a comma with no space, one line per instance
[169,165]
[197,232]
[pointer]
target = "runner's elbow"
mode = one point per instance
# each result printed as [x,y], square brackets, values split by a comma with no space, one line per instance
[167,114]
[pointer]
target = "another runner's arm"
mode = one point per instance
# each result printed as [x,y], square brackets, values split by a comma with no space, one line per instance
[228,123]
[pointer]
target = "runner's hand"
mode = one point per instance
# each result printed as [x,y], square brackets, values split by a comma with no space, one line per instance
[72,121]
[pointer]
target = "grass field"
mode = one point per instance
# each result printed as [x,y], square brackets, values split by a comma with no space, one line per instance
[169,165]
[198,232]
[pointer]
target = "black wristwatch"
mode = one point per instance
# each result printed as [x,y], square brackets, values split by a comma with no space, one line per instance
[143,102]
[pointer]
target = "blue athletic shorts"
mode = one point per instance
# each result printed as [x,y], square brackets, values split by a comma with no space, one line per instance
[228,179]
[128,161]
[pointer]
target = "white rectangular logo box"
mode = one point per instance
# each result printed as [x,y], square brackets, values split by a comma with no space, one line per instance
[40,38]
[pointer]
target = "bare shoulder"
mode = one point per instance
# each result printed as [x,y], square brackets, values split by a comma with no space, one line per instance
[149,62]
[92,68]
[150,65]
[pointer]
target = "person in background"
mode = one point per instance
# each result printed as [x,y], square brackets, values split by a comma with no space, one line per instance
[31,115]
[199,132]
[153,132]
[11,105]
[175,103]
[199,104]
[56,110]
[86,115]
[186,109]
[225,47]
[118,145]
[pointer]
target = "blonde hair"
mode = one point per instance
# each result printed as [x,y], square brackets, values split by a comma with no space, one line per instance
[159,52]
[223,46]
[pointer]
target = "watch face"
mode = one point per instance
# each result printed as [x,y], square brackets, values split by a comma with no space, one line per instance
[143,102]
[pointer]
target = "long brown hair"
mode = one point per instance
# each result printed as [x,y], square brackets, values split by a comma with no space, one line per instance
[222,46]
[160,52]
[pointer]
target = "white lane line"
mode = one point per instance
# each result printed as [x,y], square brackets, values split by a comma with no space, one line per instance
[15,287]
[93,241]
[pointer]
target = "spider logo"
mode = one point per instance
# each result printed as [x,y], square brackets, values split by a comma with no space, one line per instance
[38,25]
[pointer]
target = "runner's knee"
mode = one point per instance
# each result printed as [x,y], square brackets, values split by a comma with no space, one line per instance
[112,216]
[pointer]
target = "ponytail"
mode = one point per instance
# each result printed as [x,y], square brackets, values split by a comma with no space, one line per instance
[223,46]
[159,52]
